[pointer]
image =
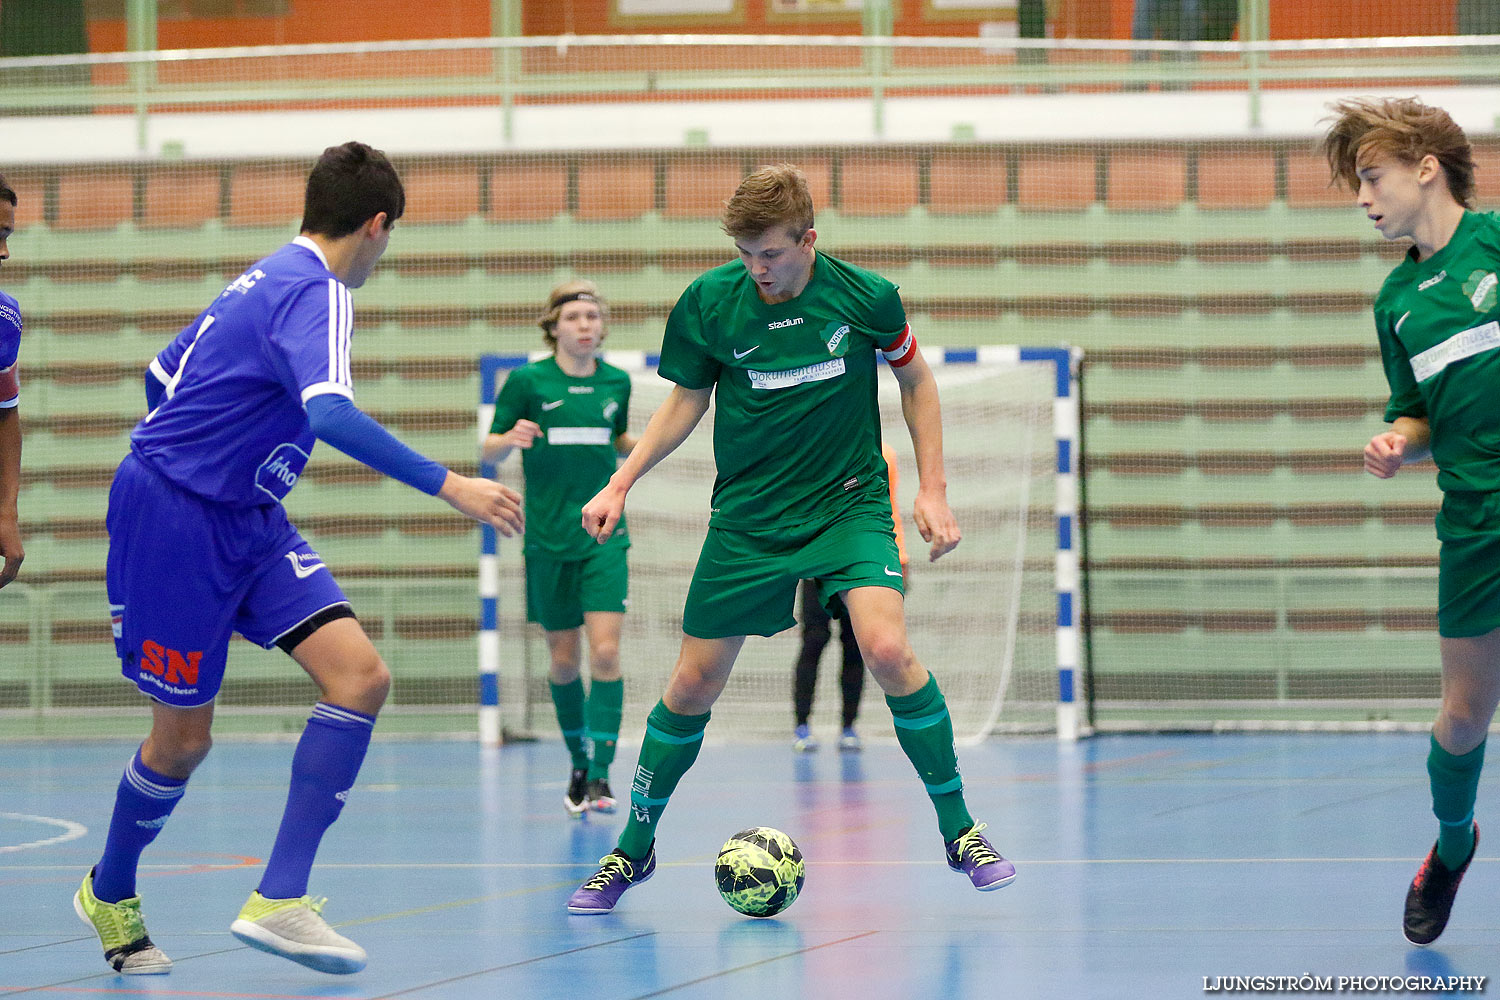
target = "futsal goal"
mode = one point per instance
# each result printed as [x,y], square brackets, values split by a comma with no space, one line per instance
[996,620]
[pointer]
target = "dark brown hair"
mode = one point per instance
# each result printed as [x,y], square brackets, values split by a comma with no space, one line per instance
[349,186]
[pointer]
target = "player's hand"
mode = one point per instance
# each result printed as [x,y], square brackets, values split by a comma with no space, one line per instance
[10,549]
[1384,453]
[936,524]
[522,434]
[485,501]
[601,514]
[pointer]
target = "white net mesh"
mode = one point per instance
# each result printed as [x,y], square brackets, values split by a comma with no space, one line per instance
[981,618]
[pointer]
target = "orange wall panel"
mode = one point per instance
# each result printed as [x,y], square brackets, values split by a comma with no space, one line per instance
[310,21]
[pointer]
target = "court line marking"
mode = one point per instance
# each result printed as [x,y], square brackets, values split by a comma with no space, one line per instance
[512,965]
[834,863]
[145,991]
[751,965]
[71,831]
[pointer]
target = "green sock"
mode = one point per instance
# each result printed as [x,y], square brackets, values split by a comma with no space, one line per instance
[669,749]
[925,731]
[605,701]
[1455,785]
[568,700]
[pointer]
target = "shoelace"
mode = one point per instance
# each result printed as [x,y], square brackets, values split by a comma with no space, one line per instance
[125,922]
[609,865]
[974,846]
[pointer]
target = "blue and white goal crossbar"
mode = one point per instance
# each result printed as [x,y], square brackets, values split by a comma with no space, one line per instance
[1066,421]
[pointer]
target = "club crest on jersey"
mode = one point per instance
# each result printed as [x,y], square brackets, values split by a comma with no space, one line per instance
[836,336]
[1480,288]
[280,471]
[611,408]
[244,282]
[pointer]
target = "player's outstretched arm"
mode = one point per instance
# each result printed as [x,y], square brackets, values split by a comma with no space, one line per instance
[924,419]
[497,447]
[334,418]
[485,501]
[1408,440]
[669,426]
[10,488]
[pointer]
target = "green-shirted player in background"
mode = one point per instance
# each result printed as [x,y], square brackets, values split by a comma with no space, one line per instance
[787,338]
[1438,320]
[568,414]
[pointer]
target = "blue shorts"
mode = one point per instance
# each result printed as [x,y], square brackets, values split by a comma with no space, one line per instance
[184,573]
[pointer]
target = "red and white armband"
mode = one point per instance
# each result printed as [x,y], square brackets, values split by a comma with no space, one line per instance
[901,350]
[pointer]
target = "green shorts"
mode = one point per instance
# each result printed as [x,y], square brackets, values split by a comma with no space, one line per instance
[560,591]
[1468,528]
[746,581]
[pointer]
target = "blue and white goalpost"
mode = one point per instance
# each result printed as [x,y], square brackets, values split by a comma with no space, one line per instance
[997,620]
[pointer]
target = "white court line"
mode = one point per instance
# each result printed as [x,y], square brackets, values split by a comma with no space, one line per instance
[573,865]
[71,831]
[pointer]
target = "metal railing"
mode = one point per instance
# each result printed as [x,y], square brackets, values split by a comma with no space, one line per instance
[510,72]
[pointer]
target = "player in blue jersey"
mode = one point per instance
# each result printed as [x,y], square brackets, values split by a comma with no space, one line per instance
[200,547]
[10,397]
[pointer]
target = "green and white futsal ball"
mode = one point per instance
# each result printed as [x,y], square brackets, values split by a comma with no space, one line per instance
[760,871]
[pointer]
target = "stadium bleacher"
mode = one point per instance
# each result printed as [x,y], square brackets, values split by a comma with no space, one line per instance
[1221,294]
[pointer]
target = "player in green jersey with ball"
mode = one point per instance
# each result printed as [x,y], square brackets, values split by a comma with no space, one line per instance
[1438,322]
[568,414]
[786,340]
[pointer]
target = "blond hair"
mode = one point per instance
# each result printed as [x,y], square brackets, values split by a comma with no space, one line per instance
[772,196]
[578,289]
[1403,128]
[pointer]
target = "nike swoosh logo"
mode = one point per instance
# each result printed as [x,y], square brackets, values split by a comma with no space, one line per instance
[553,405]
[303,571]
[891,572]
[741,354]
[1402,320]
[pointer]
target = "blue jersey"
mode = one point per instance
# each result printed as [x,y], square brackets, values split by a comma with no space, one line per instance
[232,426]
[10,350]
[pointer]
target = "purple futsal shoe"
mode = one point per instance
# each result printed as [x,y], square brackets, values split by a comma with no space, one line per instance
[617,872]
[973,855]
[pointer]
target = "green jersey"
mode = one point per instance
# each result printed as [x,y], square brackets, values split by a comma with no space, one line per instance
[1439,325]
[796,422]
[573,457]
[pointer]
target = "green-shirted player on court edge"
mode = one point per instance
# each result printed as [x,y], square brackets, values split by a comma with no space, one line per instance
[568,415]
[786,338]
[1438,321]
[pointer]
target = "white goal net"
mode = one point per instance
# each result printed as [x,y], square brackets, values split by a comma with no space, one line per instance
[983,618]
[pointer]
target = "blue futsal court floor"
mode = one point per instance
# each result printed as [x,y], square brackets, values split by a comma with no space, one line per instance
[1146,864]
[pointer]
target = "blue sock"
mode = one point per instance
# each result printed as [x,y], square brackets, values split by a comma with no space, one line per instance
[142,804]
[323,770]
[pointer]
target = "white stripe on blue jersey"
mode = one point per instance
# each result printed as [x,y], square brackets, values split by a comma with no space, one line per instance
[233,427]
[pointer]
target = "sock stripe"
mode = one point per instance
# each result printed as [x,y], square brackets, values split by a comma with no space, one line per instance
[921,721]
[665,737]
[333,713]
[1466,821]
[152,789]
[640,800]
[955,785]
[572,732]
[601,735]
